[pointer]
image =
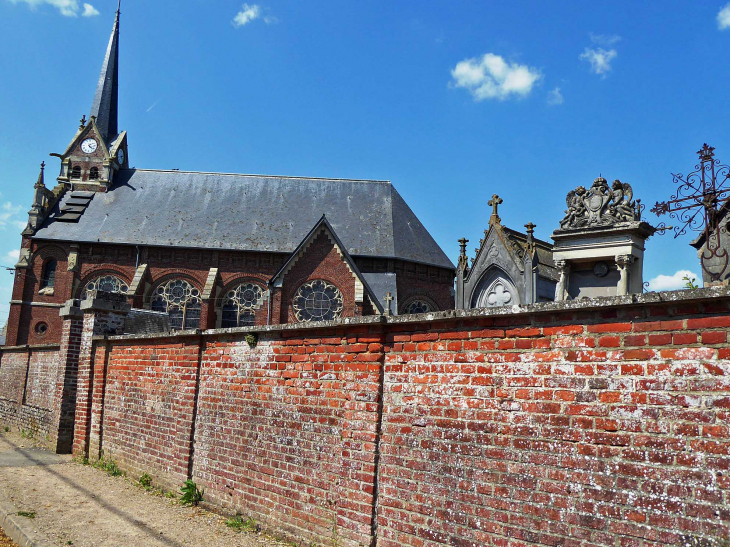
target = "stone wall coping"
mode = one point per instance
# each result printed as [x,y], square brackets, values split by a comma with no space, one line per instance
[26,347]
[630,300]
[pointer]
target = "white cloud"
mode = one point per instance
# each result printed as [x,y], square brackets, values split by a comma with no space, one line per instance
[491,77]
[246,15]
[89,11]
[271,20]
[674,281]
[69,8]
[12,257]
[723,17]
[606,40]
[7,212]
[555,97]
[599,58]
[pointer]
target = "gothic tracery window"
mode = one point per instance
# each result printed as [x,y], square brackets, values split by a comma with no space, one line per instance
[317,301]
[419,306]
[105,283]
[240,304]
[181,301]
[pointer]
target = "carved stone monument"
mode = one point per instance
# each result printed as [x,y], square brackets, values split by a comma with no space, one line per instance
[510,267]
[599,247]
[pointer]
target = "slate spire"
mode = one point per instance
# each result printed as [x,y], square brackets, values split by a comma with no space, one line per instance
[104,107]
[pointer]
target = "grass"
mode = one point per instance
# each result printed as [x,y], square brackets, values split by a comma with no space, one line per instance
[145,481]
[27,514]
[239,524]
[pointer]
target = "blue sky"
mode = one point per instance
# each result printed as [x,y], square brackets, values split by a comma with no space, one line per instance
[452,101]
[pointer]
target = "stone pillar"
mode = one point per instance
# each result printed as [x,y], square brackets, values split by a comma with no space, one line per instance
[561,289]
[65,386]
[623,262]
[103,314]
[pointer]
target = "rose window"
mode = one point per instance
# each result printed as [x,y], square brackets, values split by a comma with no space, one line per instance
[181,301]
[239,305]
[106,283]
[317,301]
[419,306]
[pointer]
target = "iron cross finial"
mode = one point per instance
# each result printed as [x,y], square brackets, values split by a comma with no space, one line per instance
[82,121]
[43,165]
[530,227]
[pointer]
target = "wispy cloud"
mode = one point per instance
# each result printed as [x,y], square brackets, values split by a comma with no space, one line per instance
[154,105]
[605,40]
[555,97]
[246,15]
[8,214]
[271,20]
[89,11]
[599,58]
[68,8]
[723,17]
[12,257]
[491,77]
[674,281]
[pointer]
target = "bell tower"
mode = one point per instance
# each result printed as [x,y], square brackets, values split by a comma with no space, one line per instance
[98,150]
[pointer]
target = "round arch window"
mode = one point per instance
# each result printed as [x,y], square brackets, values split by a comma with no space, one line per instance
[239,305]
[180,301]
[317,301]
[419,306]
[105,283]
[41,328]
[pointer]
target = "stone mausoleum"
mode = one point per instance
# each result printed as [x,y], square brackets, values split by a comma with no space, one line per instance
[214,249]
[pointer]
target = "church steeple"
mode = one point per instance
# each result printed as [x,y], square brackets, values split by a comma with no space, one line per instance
[104,107]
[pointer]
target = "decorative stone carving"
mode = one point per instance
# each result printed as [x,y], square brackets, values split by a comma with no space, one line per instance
[561,289]
[499,294]
[73,258]
[600,205]
[24,259]
[623,262]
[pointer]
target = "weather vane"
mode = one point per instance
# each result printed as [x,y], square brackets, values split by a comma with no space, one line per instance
[697,203]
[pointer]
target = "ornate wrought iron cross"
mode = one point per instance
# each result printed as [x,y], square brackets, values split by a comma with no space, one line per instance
[697,204]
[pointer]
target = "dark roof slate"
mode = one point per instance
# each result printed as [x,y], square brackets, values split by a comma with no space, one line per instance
[248,212]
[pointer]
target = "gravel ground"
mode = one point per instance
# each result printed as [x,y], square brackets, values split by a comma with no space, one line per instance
[81,506]
[5,541]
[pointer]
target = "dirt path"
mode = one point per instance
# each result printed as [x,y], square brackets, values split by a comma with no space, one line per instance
[81,506]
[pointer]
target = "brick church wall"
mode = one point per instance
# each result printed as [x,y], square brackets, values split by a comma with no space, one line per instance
[591,423]
[27,375]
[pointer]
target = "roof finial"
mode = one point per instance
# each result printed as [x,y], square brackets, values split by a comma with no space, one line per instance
[82,122]
[40,183]
[494,203]
[119,7]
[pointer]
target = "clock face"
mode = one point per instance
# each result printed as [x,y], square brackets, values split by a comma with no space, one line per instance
[120,157]
[89,146]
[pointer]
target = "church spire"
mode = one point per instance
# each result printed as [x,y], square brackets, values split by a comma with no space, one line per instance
[104,107]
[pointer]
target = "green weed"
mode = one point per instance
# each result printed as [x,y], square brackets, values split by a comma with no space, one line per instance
[145,481]
[27,514]
[6,429]
[108,465]
[191,494]
[238,524]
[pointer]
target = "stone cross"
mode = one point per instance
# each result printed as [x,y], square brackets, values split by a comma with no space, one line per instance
[495,203]
[530,227]
[388,299]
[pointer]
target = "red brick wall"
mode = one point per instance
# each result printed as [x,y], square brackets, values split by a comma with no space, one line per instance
[570,425]
[27,377]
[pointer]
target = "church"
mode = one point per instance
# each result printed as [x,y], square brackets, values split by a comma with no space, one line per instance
[214,250]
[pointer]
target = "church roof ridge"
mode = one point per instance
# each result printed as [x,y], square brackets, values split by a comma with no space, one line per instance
[253,175]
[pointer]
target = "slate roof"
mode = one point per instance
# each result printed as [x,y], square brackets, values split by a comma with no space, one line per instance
[248,212]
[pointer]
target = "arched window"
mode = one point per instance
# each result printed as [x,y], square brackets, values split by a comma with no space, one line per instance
[181,301]
[317,301]
[76,172]
[494,290]
[94,173]
[419,305]
[240,305]
[48,276]
[105,283]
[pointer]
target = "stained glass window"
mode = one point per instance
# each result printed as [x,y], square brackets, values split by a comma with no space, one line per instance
[419,306]
[239,305]
[317,301]
[105,283]
[181,301]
